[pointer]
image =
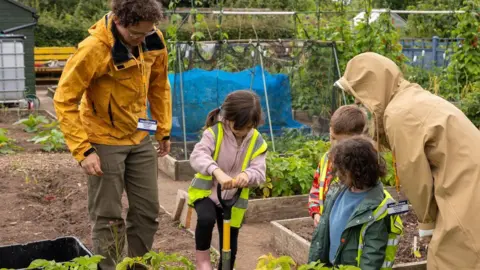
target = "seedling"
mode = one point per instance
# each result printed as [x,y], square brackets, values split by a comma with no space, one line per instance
[154,260]
[32,122]
[80,263]
[52,140]
[270,262]
[7,145]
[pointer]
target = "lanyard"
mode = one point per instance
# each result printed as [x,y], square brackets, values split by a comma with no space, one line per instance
[397,181]
[142,66]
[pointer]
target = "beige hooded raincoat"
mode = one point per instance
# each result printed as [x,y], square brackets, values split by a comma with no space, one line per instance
[437,151]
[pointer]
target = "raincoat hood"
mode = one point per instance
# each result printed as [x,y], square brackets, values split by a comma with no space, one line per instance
[100,30]
[373,80]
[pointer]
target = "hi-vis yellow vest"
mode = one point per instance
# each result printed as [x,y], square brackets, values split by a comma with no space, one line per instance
[201,185]
[322,188]
[394,233]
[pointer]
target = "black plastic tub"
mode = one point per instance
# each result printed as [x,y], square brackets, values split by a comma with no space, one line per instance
[60,250]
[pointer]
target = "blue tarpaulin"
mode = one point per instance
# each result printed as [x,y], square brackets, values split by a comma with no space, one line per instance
[205,90]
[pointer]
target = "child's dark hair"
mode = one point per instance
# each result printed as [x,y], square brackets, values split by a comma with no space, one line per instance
[358,158]
[131,12]
[241,107]
[348,120]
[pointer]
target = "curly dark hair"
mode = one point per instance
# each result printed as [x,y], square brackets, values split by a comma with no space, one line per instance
[358,158]
[131,12]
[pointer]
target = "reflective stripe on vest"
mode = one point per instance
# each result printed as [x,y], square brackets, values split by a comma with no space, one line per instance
[396,230]
[322,189]
[201,185]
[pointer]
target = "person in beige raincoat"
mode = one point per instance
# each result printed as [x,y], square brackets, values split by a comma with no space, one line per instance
[437,151]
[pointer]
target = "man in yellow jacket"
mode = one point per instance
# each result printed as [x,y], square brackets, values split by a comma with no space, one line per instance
[437,157]
[101,104]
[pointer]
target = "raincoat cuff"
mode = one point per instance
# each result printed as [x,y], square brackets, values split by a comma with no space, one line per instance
[426,226]
[425,233]
[162,137]
[80,155]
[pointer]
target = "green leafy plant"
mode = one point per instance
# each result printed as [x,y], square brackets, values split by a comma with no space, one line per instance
[80,263]
[389,179]
[270,262]
[470,105]
[153,260]
[52,140]
[290,175]
[32,123]
[7,145]
[463,70]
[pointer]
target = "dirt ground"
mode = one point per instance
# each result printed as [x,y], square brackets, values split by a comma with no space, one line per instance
[45,196]
[404,252]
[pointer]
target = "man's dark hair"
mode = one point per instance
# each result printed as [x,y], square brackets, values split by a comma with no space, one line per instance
[131,12]
[358,158]
[348,120]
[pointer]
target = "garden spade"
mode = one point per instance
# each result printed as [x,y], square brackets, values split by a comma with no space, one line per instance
[227,215]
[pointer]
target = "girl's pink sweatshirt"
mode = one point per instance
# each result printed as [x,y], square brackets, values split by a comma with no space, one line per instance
[229,160]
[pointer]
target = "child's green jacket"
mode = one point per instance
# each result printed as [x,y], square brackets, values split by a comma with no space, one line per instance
[370,238]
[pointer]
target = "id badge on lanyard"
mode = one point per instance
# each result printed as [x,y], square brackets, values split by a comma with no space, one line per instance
[145,124]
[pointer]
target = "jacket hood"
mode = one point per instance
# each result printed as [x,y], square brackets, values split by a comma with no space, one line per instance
[106,31]
[102,30]
[373,80]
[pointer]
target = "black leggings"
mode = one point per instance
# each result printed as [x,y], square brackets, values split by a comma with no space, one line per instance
[207,214]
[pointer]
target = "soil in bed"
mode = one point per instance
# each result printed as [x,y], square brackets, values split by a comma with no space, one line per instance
[44,197]
[404,252]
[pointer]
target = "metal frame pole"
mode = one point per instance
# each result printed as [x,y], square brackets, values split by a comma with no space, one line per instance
[180,70]
[266,98]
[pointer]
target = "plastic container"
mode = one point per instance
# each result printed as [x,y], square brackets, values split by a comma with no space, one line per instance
[60,250]
[12,69]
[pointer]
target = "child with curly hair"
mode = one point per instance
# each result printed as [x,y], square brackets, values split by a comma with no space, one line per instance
[356,228]
[346,121]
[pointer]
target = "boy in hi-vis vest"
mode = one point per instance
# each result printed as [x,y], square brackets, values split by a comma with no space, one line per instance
[232,154]
[357,227]
[346,121]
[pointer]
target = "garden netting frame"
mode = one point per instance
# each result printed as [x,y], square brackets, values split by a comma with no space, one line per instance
[205,72]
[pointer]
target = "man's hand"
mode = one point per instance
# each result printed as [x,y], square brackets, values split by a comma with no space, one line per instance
[223,179]
[316,219]
[91,165]
[163,148]
[241,180]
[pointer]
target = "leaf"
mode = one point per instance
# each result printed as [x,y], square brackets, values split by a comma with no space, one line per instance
[417,254]
[39,263]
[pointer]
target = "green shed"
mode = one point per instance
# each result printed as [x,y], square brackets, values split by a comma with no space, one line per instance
[17,18]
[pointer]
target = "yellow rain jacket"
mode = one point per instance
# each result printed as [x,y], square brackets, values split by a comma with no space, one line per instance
[437,151]
[107,81]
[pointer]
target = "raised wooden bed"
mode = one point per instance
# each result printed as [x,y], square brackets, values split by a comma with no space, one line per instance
[178,170]
[288,242]
[259,210]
